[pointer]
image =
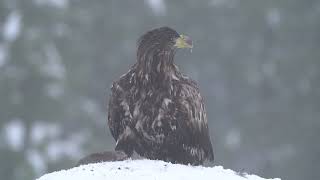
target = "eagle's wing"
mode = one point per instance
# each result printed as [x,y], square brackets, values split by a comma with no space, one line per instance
[178,133]
[192,126]
[114,111]
[119,114]
[120,117]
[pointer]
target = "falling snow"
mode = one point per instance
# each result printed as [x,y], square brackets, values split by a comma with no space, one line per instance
[158,7]
[12,27]
[14,132]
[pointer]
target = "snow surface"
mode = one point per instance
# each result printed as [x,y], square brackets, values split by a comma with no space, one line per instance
[146,170]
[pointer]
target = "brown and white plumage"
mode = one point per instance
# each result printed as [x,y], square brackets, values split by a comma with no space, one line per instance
[156,111]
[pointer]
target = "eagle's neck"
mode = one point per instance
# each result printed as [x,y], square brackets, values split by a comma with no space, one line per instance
[156,67]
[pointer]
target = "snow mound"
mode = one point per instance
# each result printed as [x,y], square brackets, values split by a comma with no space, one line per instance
[146,170]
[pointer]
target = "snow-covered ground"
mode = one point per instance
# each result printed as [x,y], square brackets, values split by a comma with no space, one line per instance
[146,170]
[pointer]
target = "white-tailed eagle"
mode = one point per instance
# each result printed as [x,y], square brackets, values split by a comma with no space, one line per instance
[155,110]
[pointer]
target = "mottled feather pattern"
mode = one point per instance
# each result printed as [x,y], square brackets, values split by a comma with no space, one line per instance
[157,112]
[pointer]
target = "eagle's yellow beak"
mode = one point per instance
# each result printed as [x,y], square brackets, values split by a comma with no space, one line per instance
[183,42]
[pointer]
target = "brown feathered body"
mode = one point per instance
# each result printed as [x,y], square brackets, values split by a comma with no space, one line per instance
[155,110]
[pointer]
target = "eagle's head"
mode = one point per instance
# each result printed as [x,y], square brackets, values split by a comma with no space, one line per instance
[163,40]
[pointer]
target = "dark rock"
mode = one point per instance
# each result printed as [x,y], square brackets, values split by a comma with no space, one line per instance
[103,157]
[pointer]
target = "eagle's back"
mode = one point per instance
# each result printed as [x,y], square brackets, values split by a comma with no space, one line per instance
[164,121]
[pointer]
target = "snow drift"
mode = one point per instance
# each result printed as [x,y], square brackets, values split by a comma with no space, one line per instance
[146,170]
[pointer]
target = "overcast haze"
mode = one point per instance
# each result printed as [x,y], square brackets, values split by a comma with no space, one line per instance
[257,64]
